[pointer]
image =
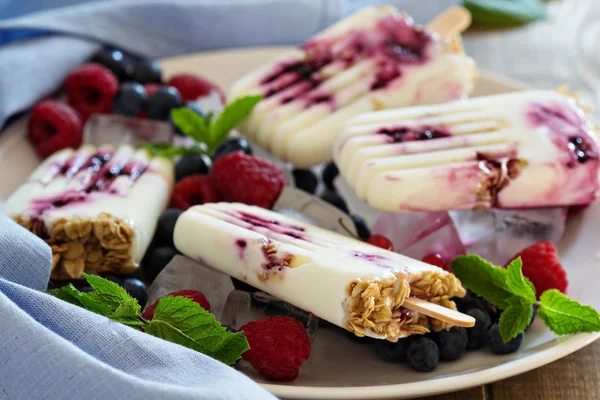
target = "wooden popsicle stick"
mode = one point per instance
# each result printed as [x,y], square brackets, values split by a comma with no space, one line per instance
[451,21]
[438,312]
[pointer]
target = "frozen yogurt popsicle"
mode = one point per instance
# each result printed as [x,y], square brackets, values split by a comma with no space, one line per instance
[375,59]
[352,284]
[524,149]
[96,207]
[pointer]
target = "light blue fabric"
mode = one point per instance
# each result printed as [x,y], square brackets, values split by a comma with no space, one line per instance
[53,350]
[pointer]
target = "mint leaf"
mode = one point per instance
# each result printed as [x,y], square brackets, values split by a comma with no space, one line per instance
[167,151]
[565,316]
[194,327]
[516,282]
[230,117]
[64,295]
[505,13]
[190,123]
[483,279]
[112,296]
[515,318]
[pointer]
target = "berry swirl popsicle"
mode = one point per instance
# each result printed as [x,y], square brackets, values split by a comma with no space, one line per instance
[96,207]
[526,149]
[372,60]
[354,285]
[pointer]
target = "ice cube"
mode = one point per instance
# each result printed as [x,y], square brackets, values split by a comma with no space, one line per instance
[497,235]
[118,130]
[184,273]
[242,307]
[419,234]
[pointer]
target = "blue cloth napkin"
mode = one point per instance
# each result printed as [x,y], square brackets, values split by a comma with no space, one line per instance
[53,350]
[40,49]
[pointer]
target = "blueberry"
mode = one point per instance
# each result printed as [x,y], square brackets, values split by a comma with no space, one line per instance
[136,289]
[471,300]
[335,200]
[166,226]
[116,61]
[423,354]
[330,172]
[391,352]
[113,278]
[130,99]
[305,179]
[497,346]
[478,332]
[361,227]
[147,71]
[192,105]
[161,102]
[156,260]
[86,289]
[452,343]
[191,164]
[229,329]
[233,145]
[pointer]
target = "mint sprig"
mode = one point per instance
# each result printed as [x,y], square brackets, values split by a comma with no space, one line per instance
[176,319]
[505,13]
[206,129]
[514,294]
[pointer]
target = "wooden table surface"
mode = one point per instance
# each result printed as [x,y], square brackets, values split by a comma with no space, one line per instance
[565,48]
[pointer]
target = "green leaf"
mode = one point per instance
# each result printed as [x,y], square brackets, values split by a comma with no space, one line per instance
[194,327]
[116,299]
[167,151]
[516,282]
[168,332]
[565,316]
[234,113]
[483,279]
[190,123]
[65,296]
[505,13]
[515,318]
[234,345]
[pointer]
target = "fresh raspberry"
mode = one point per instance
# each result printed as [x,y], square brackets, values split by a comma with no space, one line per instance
[193,190]
[542,266]
[193,86]
[437,260]
[278,347]
[151,88]
[91,89]
[194,295]
[248,179]
[380,241]
[54,126]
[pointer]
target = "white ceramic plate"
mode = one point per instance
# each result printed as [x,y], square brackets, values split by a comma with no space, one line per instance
[339,368]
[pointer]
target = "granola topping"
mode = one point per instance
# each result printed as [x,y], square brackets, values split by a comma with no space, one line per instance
[377,305]
[79,245]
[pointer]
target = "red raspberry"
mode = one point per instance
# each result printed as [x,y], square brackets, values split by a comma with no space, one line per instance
[91,89]
[278,347]
[194,295]
[193,86]
[542,266]
[437,260]
[248,179]
[193,190]
[54,126]
[380,241]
